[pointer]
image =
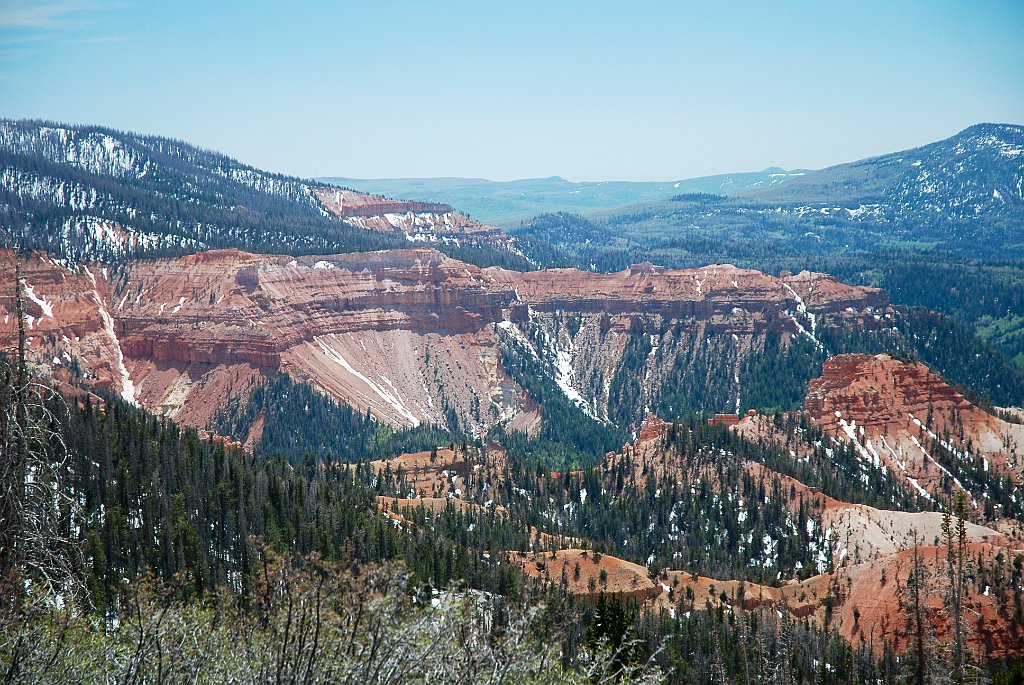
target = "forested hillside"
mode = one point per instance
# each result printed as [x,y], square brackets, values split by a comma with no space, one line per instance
[182,539]
[95,193]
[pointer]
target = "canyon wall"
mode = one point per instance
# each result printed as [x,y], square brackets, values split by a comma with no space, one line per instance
[407,334]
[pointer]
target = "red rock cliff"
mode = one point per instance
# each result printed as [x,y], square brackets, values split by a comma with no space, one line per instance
[402,332]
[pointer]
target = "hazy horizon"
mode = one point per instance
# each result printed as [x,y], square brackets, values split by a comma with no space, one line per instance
[552,177]
[585,91]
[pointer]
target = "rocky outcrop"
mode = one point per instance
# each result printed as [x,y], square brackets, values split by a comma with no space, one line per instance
[418,221]
[731,300]
[395,207]
[404,333]
[880,392]
[346,203]
[862,595]
[866,602]
[588,573]
[904,417]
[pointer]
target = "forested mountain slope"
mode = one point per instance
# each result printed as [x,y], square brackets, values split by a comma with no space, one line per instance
[87,193]
[168,522]
[974,177]
[963,195]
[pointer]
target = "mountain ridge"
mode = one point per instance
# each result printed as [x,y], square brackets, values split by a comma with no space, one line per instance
[199,323]
[89,192]
[496,201]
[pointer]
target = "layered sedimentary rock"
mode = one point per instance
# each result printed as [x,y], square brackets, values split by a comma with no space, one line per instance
[881,391]
[862,587]
[418,221]
[731,299]
[408,334]
[905,417]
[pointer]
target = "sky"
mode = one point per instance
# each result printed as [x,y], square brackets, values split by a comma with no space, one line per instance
[585,90]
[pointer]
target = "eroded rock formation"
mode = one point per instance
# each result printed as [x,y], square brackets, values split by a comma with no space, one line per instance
[904,416]
[404,333]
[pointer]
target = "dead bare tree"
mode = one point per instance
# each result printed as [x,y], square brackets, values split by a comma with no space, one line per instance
[37,510]
[311,622]
[917,585]
[956,560]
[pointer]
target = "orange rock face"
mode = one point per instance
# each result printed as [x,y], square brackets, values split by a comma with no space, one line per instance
[349,203]
[587,573]
[419,221]
[870,600]
[64,320]
[865,598]
[403,333]
[901,414]
[730,299]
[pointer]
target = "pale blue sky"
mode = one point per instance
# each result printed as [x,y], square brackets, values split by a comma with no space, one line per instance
[587,90]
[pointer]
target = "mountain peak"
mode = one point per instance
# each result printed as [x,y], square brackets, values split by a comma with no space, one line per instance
[994,128]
